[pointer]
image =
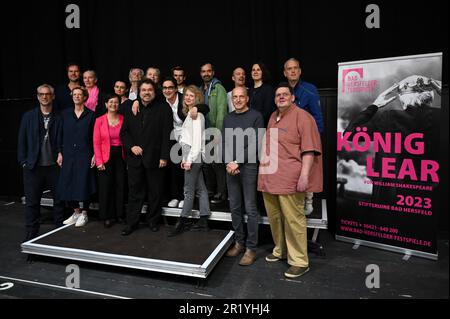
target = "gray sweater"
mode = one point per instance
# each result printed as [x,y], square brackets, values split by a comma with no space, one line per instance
[240,137]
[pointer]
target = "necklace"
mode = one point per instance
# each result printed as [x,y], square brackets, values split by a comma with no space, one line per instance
[113,122]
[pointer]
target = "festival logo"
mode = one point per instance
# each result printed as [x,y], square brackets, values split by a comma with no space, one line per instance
[353,81]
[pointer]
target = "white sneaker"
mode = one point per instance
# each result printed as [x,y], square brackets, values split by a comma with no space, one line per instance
[72,219]
[308,209]
[173,203]
[82,220]
[181,204]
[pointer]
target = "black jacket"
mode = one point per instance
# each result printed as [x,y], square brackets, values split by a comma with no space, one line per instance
[30,137]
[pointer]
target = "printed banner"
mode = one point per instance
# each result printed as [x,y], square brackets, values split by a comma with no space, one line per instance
[387,152]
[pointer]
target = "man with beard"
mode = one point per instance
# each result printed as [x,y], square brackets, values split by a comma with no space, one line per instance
[63,97]
[216,98]
[146,139]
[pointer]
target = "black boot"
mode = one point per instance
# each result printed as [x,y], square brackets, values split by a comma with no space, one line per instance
[180,226]
[201,225]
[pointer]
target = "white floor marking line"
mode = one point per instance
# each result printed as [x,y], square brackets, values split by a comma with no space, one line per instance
[62,287]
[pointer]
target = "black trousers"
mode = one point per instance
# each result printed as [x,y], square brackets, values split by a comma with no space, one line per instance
[142,181]
[215,178]
[111,186]
[36,181]
[176,179]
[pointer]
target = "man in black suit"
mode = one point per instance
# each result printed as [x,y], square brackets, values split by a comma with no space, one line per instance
[146,138]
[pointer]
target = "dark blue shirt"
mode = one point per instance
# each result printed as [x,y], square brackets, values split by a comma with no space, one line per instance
[307,98]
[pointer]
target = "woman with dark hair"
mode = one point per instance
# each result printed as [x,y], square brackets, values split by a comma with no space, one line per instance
[121,90]
[77,179]
[109,158]
[261,93]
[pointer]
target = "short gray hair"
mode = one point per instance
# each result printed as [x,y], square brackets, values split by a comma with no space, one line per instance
[48,86]
[92,72]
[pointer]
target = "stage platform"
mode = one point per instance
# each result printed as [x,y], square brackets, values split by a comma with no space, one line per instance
[340,274]
[192,254]
[317,220]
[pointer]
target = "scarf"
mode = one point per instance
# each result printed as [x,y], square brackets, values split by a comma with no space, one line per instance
[92,101]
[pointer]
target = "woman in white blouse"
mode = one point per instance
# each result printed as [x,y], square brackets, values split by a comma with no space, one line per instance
[192,140]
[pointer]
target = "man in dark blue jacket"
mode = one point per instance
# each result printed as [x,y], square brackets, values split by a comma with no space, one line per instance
[307,98]
[39,154]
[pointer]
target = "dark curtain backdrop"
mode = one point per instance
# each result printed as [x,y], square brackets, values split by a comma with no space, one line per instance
[116,35]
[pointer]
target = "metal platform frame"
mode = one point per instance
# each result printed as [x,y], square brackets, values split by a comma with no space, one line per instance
[314,223]
[176,268]
[406,252]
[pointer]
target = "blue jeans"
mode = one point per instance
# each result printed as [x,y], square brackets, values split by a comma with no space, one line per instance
[242,194]
[194,183]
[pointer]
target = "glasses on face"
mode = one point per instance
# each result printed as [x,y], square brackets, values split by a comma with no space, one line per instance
[168,88]
[44,94]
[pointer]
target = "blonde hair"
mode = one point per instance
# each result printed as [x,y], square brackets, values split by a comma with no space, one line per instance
[199,98]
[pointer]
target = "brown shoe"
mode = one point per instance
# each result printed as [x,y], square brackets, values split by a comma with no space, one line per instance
[248,258]
[235,250]
[294,271]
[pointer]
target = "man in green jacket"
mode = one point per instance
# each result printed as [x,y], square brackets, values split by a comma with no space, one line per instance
[216,98]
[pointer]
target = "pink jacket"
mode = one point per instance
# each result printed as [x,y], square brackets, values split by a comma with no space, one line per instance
[102,140]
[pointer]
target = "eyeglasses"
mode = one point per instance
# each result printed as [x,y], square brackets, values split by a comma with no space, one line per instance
[168,88]
[44,94]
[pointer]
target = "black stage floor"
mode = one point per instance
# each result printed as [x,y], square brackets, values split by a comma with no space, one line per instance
[188,247]
[341,273]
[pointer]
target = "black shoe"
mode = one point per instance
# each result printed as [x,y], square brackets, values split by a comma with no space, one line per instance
[154,227]
[181,226]
[218,198]
[201,225]
[128,230]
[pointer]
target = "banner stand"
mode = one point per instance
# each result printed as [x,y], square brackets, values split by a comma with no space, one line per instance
[406,252]
[388,151]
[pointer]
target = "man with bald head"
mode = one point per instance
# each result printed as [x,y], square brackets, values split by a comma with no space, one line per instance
[240,154]
[216,98]
[307,98]
[238,78]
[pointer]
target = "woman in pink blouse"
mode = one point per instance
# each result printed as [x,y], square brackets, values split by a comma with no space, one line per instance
[109,158]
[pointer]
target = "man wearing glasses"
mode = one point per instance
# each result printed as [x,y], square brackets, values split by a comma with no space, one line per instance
[293,143]
[175,101]
[39,154]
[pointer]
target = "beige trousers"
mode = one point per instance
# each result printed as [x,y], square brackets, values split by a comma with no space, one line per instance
[288,225]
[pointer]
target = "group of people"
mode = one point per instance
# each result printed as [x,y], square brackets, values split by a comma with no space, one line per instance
[138,132]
